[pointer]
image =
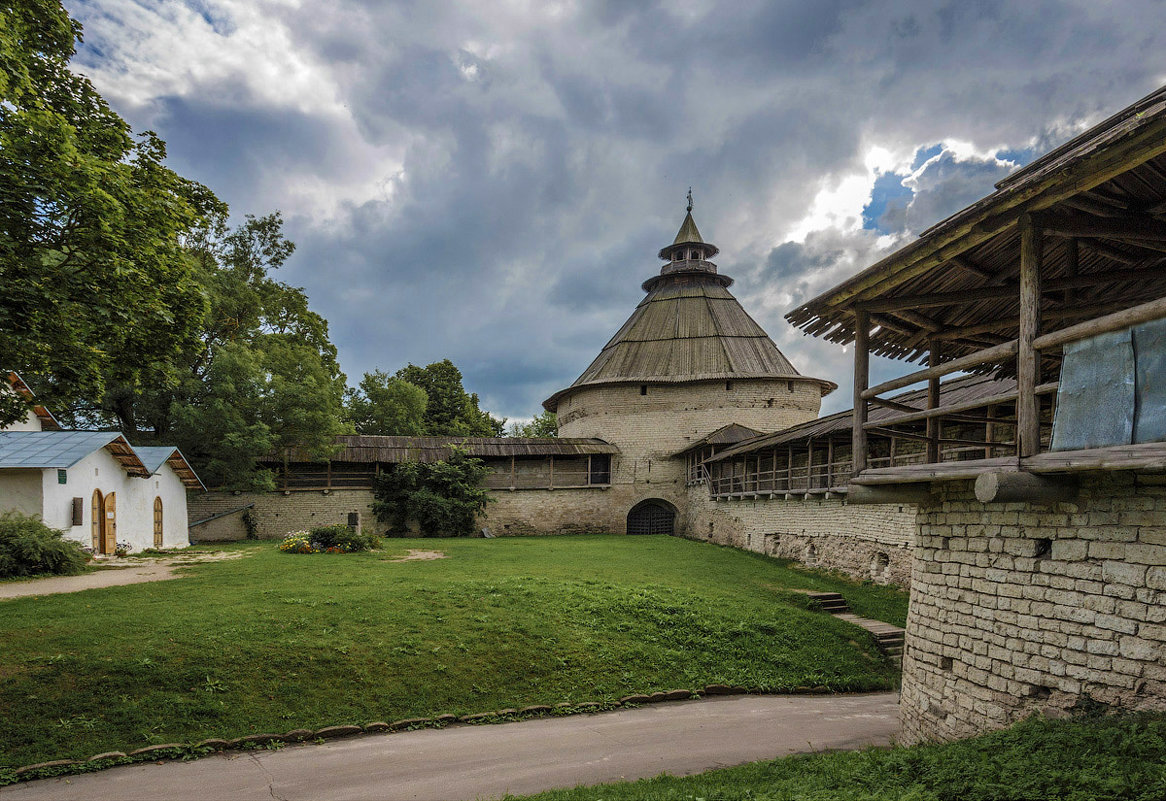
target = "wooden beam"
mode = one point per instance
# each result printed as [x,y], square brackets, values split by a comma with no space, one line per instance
[965,263]
[933,423]
[1027,362]
[1021,487]
[1112,253]
[976,294]
[861,379]
[1135,315]
[877,429]
[890,404]
[888,493]
[992,355]
[1084,225]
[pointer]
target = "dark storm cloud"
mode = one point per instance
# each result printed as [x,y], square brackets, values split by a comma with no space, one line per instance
[491,182]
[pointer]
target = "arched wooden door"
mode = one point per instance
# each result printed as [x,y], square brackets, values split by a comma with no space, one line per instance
[652,517]
[97,515]
[157,522]
[109,524]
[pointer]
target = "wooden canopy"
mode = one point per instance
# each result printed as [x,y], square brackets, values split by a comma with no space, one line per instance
[366,449]
[1100,201]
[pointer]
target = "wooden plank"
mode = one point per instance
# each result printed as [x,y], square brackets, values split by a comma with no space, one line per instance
[1027,360]
[924,438]
[1134,315]
[1084,225]
[992,355]
[861,379]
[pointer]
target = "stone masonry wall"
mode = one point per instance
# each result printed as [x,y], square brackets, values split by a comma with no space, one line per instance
[519,512]
[651,429]
[1018,607]
[866,542]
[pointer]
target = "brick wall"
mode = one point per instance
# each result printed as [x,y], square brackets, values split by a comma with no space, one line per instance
[867,542]
[1016,607]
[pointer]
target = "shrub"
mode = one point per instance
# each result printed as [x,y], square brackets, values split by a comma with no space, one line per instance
[444,498]
[28,547]
[329,539]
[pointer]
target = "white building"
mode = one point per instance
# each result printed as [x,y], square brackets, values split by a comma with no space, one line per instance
[94,485]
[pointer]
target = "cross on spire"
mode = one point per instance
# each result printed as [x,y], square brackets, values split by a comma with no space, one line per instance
[689,200]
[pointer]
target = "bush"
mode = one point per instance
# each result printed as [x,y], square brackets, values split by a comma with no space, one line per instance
[28,548]
[329,539]
[444,498]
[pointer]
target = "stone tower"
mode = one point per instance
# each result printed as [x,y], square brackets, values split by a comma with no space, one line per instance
[688,361]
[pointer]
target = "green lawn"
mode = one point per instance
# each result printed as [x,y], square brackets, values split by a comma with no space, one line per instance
[1037,760]
[273,641]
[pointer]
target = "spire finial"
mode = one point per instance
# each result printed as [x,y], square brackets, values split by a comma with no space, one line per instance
[689,200]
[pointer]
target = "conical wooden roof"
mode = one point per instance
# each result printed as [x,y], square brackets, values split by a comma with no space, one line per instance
[689,327]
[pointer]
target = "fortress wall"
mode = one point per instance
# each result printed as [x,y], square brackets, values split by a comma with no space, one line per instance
[518,512]
[819,532]
[1018,607]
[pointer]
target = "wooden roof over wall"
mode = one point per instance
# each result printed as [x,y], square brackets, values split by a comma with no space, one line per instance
[1101,201]
[392,450]
[960,391]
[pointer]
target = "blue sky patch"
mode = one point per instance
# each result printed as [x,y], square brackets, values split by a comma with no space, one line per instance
[888,190]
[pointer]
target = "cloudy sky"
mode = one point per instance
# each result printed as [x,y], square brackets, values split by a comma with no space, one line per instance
[490,181]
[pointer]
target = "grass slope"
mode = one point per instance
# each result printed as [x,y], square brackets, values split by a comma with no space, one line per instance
[1036,760]
[274,641]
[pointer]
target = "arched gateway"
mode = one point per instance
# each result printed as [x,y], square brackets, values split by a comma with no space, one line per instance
[652,516]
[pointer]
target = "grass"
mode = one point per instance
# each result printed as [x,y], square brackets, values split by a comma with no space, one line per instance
[275,641]
[1036,760]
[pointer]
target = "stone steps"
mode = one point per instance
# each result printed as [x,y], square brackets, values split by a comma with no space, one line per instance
[889,638]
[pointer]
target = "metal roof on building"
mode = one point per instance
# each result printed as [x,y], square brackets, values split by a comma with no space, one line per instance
[688,328]
[725,435]
[392,450]
[154,456]
[63,449]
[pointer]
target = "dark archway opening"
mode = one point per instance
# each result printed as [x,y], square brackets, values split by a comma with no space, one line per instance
[652,517]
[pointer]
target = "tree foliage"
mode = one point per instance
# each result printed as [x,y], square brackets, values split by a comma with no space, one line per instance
[444,498]
[386,405]
[449,409]
[98,288]
[542,425]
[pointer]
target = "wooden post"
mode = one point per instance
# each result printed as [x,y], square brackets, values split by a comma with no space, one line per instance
[552,479]
[513,476]
[809,462]
[1027,359]
[933,423]
[893,443]
[830,463]
[861,379]
[789,469]
[989,431]
[588,481]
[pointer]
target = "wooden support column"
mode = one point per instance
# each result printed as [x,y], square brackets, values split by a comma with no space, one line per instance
[861,380]
[789,469]
[809,463]
[1027,358]
[588,481]
[512,474]
[989,431]
[830,463]
[552,460]
[933,423]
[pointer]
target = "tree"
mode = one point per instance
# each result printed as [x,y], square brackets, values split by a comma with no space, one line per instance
[450,410]
[444,498]
[542,425]
[387,406]
[97,287]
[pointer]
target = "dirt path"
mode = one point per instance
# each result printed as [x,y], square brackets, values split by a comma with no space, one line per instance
[470,762]
[128,571]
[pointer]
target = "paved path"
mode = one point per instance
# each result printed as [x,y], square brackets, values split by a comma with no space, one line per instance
[86,581]
[469,762]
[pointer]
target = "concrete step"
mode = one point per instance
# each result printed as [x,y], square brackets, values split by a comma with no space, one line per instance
[831,602]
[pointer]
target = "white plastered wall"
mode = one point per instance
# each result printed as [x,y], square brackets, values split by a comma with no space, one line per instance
[134,502]
[21,491]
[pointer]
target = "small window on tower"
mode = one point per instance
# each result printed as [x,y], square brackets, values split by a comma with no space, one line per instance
[728,385]
[643,389]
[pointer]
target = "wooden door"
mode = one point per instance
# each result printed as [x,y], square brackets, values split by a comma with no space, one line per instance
[109,523]
[97,514]
[157,522]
